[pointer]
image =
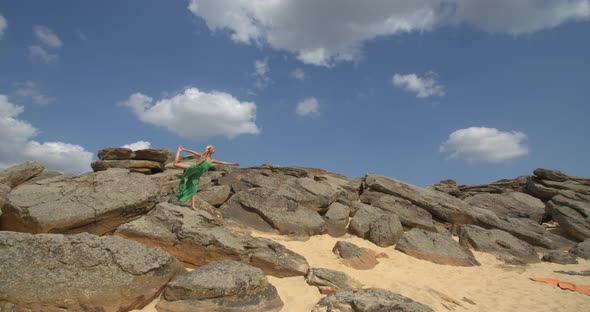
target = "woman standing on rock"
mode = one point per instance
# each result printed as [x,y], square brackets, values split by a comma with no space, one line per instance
[189,183]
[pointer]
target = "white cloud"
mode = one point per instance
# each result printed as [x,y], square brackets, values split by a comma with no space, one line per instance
[485,145]
[298,73]
[30,89]
[47,37]
[138,145]
[309,107]
[196,114]
[3,25]
[38,53]
[424,87]
[325,32]
[16,145]
[261,73]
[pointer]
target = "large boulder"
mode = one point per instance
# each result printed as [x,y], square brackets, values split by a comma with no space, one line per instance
[196,239]
[141,166]
[115,153]
[330,281]
[435,247]
[385,231]
[502,244]
[315,195]
[573,215]
[215,195]
[337,219]
[15,175]
[409,214]
[582,249]
[448,186]
[220,286]
[93,202]
[354,256]
[511,204]
[83,272]
[546,183]
[154,154]
[360,224]
[559,257]
[369,300]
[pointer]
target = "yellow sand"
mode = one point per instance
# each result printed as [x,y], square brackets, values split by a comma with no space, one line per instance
[492,286]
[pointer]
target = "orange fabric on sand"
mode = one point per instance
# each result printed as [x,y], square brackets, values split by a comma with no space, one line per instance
[583,289]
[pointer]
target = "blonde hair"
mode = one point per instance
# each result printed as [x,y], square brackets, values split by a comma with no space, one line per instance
[206,152]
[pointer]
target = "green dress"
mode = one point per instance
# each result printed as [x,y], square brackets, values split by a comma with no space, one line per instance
[189,183]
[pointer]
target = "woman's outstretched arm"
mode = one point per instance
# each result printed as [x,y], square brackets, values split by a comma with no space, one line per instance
[219,162]
[192,152]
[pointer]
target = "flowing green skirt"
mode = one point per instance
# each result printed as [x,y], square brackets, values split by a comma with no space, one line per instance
[189,183]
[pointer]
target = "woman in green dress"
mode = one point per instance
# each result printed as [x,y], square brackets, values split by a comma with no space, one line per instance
[189,183]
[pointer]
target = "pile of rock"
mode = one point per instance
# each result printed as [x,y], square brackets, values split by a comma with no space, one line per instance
[146,161]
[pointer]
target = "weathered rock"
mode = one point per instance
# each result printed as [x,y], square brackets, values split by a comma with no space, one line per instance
[15,175]
[330,281]
[572,215]
[115,153]
[154,154]
[354,256]
[369,300]
[263,209]
[502,244]
[448,186]
[434,247]
[84,272]
[441,205]
[141,166]
[409,214]
[549,183]
[385,231]
[215,195]
[498,187]
[337,219]
[511,204]
[582,249]
[220,286]
[309,193]
[47,174]
[94,202]
[195,239]
[559,257]
[360,224]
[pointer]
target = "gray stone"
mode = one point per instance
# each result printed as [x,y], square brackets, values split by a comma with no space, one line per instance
[115,153]
[448,186]
[93,202]
[573,216]
[360,224]
[154,154]
[369,300]
[498,187]
[409,214]
[582,249]
[16,175]
[511,204]
[559,257]
[354,256]
[385,231]
[141,166]
[215,195]
[220,286]
[434,247]
[337,219]
[83,272]
[502,244]
[330,281]
[317,196]
[196,239]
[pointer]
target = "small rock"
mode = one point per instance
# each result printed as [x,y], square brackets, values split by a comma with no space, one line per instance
[354,256]
[369,300]
[330,281]
[559,257]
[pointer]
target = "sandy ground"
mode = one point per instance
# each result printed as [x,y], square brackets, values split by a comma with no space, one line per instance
[492,286]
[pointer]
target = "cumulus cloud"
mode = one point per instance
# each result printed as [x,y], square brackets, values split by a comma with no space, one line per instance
[298,73]
[39,53]
[197,114]
[138,145]
[3,25]
[261,73]
[47,37]
[32,90]
[310,107]
[16,145]
[325,32]
[423,86]
[485,145]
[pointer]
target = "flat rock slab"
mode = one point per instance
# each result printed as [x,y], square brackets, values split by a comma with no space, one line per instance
[115,153]
[196,239]
[573,216]
[143,166]
[154,154]
[220,286]
[354,256]
[15,175]
[93,202]
[511,204]
[330,281]
[369,300]
[83,272]
[559,257]
[502,244]
[434,247]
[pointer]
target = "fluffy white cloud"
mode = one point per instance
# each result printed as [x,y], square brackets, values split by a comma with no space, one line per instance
[485,145]
[3,24]
[196,114]
[261,73]
[324,32]
[47,37]
[138,145]
[39,53]
[423,86]
[16,145]
[30,89]
[298,73]
[309,107]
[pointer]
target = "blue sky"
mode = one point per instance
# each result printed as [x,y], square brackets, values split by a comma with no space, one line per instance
[420,90]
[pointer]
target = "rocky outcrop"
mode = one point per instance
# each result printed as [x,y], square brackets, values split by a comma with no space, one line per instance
[502,244]
[18,174]
[510,204]
[196,239]
[498,187]
[582,249]
[546,183]
[93,202]
[220,286]
[354,256]
[83,272]
[448,186]
[146,161]
[559,257]
[369,300]
[330,281]
[573,215]
[409,214]
[434,247]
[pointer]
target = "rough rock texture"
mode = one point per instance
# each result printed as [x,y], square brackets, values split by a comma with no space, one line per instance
[195,239]
[315,195]
[368,300]
[154,154]
[510,204]
[502,244]
[215,195]
[360,224]
[559,257]
[354,256]
[83,272]
[330,281]
[498,187]
[141,166]
[263,209]
[582,249]
[337,219]
[15,175]
[115,153]
[146,161]
[573,215]
[220,286]
[385,231]
[93,202]
[409,214]
[546,183]
[448,186]
[434,247]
